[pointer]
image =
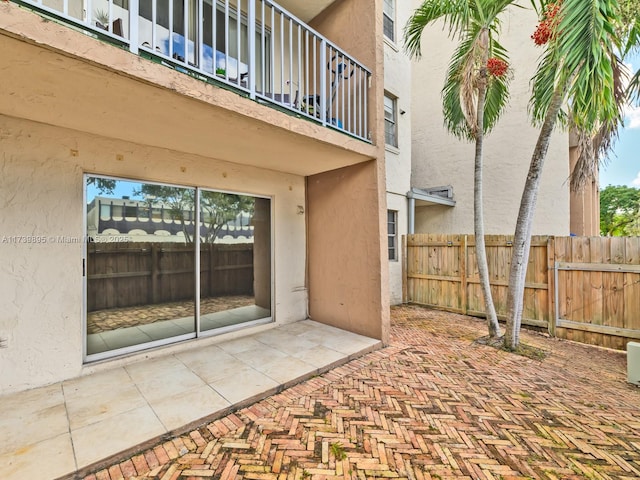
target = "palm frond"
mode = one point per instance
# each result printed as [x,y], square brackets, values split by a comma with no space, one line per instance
[454,13]
[497,90]
[465,19]
[633,89]
[581,58]
[543,85]
[457,94]
[593,148]
[587,44]
[586,165]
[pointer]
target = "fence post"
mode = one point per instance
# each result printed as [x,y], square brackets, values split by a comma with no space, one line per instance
[464,301]
[155,267]
[551,285]
[212,272]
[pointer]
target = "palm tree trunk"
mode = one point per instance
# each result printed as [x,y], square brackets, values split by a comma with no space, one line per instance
[478,210]
[522,240]
[478,224]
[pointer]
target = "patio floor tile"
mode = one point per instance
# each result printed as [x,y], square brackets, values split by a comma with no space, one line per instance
[115,434]
[188,406]
[26,423]
[97,406]
[242,384]
[283,369]
[49,458]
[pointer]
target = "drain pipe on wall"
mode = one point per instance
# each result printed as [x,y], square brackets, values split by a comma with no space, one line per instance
[432,196]
[412,213]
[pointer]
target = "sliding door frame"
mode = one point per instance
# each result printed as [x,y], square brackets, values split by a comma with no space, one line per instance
[116,353]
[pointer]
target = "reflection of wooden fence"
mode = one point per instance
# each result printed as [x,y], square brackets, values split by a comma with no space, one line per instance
[597,299]
[128,274]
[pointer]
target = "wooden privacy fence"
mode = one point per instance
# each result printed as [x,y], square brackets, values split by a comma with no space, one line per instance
[585,289]
[129,274]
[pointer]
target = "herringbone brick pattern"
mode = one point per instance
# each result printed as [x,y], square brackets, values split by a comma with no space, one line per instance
[433,405]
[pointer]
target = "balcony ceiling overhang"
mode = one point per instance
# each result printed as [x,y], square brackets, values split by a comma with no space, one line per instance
[119,95]
[307,9]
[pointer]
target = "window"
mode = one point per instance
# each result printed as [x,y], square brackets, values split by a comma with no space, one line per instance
[388,19]
[390,125]
[392,234]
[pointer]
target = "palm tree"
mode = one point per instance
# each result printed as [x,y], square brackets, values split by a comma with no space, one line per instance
[575,84]
[474,95]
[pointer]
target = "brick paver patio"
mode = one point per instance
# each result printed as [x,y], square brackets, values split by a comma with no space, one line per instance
[433,405]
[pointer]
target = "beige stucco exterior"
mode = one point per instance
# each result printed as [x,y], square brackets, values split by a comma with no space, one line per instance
[441,159]
[348,279]
[71,104]
[42,197]
[397,83]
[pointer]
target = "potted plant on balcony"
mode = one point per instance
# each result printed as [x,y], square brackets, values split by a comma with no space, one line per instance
[102,19]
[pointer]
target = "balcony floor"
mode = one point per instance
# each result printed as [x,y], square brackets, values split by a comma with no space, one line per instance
[68,426]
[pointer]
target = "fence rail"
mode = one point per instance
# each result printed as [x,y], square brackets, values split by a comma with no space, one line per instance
[579,288]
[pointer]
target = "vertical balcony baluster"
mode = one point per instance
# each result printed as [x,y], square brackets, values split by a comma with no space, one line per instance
[200,35]
[323,82]
[251,34]
[134,41]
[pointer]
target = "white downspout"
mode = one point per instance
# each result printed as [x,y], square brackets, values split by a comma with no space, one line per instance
[412,213]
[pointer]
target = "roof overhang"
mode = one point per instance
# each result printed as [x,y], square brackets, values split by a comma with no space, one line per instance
[425,197]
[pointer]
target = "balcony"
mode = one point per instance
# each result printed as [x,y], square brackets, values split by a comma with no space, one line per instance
[255,47]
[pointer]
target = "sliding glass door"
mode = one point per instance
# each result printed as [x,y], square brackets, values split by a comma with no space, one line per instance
[145,243]
[235,287]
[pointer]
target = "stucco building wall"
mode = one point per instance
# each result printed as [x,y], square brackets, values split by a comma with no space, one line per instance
[397,83]
[441,159]
[348,279]
[41,193]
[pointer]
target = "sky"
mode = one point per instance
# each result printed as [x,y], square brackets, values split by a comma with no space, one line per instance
[623,165]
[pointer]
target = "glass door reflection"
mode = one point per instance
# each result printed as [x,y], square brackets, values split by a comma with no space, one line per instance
[140,265]
[235,259]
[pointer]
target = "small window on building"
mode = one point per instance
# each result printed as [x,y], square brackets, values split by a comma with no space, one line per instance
[390,125]
[392,233]
[388,19]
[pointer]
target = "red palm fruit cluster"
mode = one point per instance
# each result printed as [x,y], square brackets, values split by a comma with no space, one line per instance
[497,67]
[547,25]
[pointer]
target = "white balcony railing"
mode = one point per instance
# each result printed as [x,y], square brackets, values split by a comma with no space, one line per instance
[254,46]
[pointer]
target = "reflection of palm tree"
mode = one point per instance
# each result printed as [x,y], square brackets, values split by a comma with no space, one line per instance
[179,201]
[218,209]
